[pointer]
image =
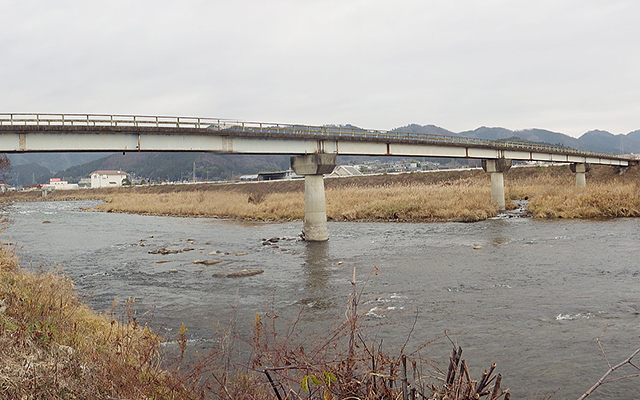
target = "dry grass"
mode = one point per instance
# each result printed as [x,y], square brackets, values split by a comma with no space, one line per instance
[54,347]
[594,201]
[462,200]
[413,197]
[274,206]
[403,202]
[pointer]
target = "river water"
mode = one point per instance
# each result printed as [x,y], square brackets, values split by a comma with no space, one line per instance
[530,295]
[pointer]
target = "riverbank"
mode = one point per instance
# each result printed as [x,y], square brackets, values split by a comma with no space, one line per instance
[411,197]
[53,346]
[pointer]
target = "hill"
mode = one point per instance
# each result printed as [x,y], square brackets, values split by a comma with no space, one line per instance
[175,166]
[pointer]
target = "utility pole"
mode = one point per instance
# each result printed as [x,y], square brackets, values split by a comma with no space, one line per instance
[194,171]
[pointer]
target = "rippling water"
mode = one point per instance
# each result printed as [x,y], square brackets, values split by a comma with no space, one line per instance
[530,295]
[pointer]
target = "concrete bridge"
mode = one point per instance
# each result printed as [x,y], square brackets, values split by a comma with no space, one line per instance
[316,147]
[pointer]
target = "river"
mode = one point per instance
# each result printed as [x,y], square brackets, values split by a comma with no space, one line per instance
[527,294]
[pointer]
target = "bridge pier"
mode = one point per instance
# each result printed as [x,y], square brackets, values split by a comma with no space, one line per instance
[497,167]
[580,169]
[313,167]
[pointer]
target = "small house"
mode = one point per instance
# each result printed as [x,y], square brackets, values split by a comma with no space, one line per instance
[100,179]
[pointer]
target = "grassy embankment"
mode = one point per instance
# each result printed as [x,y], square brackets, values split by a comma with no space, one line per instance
[413,197]
[54,347]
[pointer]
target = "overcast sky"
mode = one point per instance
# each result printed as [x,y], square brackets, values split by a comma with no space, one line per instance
[562,65]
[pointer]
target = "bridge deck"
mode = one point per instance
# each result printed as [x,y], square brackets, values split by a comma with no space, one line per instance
[94,132]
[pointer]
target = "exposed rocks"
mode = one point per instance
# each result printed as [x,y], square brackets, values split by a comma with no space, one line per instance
[165,251]
[274,240]
[238,274]
[207,262]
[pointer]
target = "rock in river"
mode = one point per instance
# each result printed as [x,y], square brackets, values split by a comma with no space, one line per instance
[238,274]
[207,262]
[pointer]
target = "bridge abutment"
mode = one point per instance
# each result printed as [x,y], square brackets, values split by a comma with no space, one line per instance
[497,167]
[580,169]
[313,167]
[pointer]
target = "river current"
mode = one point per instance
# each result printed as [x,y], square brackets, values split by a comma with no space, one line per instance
[530,295]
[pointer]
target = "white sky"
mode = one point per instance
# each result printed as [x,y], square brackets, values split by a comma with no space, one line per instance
[569,66]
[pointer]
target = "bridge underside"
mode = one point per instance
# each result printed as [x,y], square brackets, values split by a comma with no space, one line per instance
[18,139]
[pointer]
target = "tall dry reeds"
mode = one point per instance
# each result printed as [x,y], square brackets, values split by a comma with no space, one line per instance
[461,200]
[216,204]
[52,346]
[594,201]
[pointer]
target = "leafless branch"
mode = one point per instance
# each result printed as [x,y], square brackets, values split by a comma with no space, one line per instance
[603,378]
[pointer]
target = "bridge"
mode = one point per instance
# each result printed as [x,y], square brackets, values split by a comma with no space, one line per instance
[316,147]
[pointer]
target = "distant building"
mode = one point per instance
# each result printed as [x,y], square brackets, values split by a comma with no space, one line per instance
[58,184]
[32,186]
[84,183]
[100,179]
[345,170]
[273,176]
[249,177]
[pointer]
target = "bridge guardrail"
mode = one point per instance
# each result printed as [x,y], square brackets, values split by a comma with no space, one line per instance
[97,120]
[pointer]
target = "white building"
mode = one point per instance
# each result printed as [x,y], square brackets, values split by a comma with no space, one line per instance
[345,170]
[101,179]
[57,183]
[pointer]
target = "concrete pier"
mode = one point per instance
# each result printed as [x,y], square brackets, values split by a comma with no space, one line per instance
[313,167]
[497,167]
[581,173]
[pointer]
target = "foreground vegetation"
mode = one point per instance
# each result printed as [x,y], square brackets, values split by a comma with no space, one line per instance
[412,197]
[52,346]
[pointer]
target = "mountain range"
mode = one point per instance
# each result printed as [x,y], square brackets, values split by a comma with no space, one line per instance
[39,167]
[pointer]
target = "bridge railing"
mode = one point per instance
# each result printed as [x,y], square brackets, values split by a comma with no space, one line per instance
[329,131]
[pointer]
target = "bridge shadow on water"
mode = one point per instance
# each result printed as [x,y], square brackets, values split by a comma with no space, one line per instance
[316,268]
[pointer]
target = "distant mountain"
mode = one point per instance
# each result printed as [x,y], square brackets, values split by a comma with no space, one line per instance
[177,166]
[54,162]
[599,141]
[606,142]
[427,129]
[25,174]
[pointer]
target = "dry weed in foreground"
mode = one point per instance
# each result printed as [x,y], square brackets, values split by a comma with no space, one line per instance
[343,365]
[54,347]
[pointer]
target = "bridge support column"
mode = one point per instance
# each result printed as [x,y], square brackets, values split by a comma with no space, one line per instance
[581,173]
[497,167]
[312,167]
